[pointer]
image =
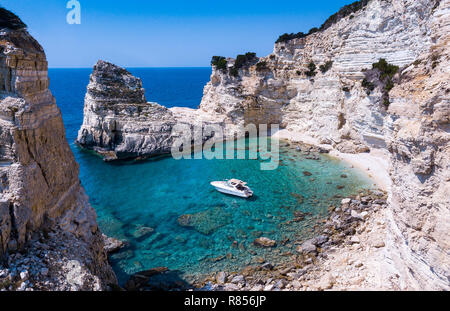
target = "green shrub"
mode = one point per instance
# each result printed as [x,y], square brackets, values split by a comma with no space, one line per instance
[327,66]
[10,20]
[234,72]
[219,62]
[384,74]
[344,12]
[313,30]
[346,89]
[287,37]
[387,70]
[299,73]
[241,61]
[389,85]
[333,19]
[369,86]
[261,66]
[312,70]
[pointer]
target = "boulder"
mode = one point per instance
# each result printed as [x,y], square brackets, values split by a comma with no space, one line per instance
[112,245]
[308,247]
[264,242]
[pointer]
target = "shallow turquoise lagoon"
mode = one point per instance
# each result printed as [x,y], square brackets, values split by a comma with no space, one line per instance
[141,202]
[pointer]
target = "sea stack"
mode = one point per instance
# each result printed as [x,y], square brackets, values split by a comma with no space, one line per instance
[44,212]
[120,124]
[118,121]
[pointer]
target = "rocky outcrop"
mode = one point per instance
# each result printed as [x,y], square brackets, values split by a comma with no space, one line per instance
[420,162]
[118,121]
[41,198]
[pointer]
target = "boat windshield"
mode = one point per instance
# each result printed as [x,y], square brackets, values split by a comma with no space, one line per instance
[240,187]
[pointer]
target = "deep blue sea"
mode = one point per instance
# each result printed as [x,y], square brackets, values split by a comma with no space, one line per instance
[141,202]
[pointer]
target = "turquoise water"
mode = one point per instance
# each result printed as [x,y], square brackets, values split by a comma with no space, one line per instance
[141,202]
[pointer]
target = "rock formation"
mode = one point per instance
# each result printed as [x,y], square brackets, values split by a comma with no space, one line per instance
[334,107]
[118,121]
[323,88]
[44,211]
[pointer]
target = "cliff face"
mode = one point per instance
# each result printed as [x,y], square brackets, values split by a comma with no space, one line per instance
[334,107]
[420,159]
[398,31]
[41,198]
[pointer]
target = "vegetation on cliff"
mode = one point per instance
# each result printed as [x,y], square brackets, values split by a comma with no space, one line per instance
[327,66]
[333,19]
[241,61]
[219,62]
[311,70]
[261,66]
[10,20]
[382,73]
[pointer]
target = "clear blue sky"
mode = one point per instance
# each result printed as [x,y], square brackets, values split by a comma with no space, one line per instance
[170,33]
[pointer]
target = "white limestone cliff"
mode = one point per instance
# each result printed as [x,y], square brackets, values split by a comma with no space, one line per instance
[45,215]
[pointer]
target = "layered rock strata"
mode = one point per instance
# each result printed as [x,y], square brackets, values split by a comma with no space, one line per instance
[41,197]
[335,108]
[119,123]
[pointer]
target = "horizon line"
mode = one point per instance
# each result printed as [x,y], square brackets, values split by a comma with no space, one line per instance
[132,67]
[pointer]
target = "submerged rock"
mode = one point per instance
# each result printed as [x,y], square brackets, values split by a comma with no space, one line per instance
[142,232]
[206,222]
[264,242]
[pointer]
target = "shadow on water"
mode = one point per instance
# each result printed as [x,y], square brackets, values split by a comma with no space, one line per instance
[170,280]
[250,199]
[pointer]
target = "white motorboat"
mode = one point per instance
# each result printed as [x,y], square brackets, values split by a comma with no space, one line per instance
[233,187]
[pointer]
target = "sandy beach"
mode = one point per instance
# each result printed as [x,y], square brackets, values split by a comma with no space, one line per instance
[375,164]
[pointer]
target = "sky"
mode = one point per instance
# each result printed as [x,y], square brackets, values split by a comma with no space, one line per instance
[170,33]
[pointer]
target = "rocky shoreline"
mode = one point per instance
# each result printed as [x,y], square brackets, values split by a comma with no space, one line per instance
[304,269]
[342,224]
[295,268]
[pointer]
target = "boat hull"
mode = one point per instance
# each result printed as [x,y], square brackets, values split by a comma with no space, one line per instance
[223,188]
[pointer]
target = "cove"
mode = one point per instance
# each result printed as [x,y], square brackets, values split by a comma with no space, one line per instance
[170,215]
[141,202]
